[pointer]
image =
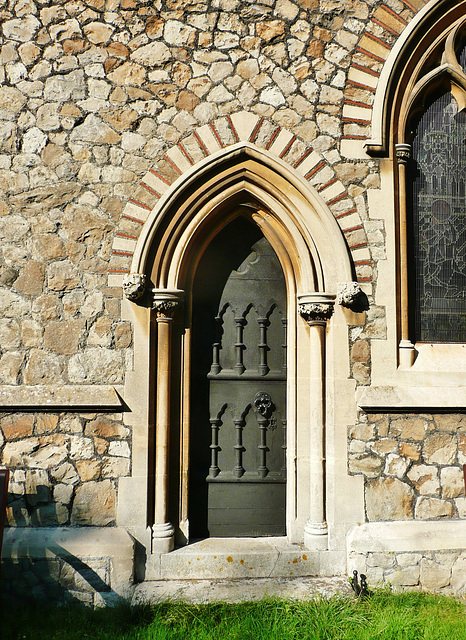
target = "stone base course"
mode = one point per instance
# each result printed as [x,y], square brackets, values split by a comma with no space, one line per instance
[90,565]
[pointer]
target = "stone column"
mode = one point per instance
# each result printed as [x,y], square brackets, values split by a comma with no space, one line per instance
[406,347]
[165,303]
[316,309]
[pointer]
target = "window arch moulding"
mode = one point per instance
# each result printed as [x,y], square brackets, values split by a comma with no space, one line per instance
[428,63]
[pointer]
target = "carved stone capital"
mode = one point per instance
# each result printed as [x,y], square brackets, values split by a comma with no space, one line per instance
[316,307]
[134,286]
[166,302]
[348,294]
[403,152]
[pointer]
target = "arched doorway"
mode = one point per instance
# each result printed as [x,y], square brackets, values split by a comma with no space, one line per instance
[237,483]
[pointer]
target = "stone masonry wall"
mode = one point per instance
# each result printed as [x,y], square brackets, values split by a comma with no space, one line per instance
[412,465]
[64,467]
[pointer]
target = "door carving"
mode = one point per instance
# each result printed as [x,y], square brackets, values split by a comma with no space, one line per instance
[238,405]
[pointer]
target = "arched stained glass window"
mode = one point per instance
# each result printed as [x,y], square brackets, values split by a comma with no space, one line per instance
[439,223]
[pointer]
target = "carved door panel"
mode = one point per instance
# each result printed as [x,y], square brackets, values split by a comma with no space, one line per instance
[238,408]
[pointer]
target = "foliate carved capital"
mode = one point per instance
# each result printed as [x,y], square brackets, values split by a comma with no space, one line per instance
[348,294]
[166,302]
[134,286]
[315,311]
[403,152]
[316,307]
[166,308]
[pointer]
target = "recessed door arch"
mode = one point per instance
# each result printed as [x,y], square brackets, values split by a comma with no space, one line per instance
[315,259]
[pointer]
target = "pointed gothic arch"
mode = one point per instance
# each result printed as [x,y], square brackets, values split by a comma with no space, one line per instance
[240,180]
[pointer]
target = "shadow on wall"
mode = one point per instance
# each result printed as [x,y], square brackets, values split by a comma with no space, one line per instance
[36,567]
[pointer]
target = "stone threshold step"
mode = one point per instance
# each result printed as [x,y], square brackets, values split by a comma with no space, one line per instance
[240,590]
[234,558]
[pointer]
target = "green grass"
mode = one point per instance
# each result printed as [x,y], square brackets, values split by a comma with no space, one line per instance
[384,616]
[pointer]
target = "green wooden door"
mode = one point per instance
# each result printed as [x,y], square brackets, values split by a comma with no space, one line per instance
[238,406]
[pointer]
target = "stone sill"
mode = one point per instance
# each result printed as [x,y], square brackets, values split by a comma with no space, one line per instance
[407,536]
[391,398]
[61,397]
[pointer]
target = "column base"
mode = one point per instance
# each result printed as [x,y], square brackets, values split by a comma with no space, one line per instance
[316,536]
[407,354]
[163,538]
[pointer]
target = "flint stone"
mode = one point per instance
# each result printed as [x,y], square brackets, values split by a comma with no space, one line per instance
[430,508]
[389,499]
[94,504]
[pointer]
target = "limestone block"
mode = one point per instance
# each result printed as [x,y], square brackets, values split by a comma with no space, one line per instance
[22,30]
[9,334]
[31,278]
[434,575]
[96,364]
[452,482]
[440,448]
[42,368]
[389,499]
[119,448]
[10,365]
[37,486]
[460,504]
[382,560]
[129,73]
[46,423]
[410,450]
[152,55]
[408,559]
[16,454]
[105,428]
[395,465]
[458,576]
[367,464]
[17,426]
[65,473]
[81,448]
[430,508]
[113,467]
[425,479]
[63,493]
[62,276]
[94,504]
[408,428]
[62,88]
[88,469]
[449,422]
[405,577]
